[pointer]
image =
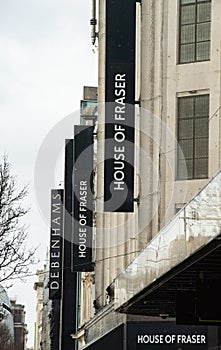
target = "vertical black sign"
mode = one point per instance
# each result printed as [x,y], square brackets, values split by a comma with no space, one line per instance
[69,285]
[55,324]
[119,106]
[55,274]
[83,199]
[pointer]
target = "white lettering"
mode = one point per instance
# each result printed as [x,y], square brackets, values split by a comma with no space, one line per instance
[54,285]
[55,265]
[119,185]
[56,208]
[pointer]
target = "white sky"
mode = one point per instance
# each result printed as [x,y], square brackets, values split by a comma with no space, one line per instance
[45,59]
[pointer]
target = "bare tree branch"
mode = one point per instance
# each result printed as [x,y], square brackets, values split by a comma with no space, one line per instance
[15,258]
[6,340]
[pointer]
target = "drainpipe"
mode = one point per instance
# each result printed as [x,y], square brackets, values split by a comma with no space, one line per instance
[93,23]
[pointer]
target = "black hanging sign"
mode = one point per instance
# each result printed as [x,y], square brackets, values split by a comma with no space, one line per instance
[119,106]
[55,269]
[83,198]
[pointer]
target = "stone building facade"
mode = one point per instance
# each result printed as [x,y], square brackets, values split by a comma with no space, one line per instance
[20,327]
[43,310]
[177,137]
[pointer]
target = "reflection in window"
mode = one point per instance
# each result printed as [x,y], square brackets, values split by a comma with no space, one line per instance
[194,30]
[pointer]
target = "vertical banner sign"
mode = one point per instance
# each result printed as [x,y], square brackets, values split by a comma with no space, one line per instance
[69,283]
[119,105]
[55,276]
[83,199]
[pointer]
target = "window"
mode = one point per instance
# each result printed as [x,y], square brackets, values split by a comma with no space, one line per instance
[194,30]
[193,133]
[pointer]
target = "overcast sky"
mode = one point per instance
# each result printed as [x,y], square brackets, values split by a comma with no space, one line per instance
[45,60]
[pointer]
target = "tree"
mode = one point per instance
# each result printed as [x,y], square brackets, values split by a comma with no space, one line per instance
[15,258]
[6,339]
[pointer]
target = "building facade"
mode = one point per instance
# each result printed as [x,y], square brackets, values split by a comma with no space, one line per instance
[39,288]
[154,221]
[177,138]
[43,310]
[183,99]
[20,327]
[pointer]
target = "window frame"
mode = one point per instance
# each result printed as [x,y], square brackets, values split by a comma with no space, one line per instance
[195,43]
[194,158]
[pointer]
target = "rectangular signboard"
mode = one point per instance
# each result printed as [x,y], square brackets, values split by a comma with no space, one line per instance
[83,198]
[153,335]
[165,335]
[119,106]
[55,273]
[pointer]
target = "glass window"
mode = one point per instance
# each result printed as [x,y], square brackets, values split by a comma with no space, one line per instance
[183,2]
[188,14]
[193,133]
[186,129]
[187,34]
[187,52]
[194,30]
[202,51]
[203,12]
[201,127]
